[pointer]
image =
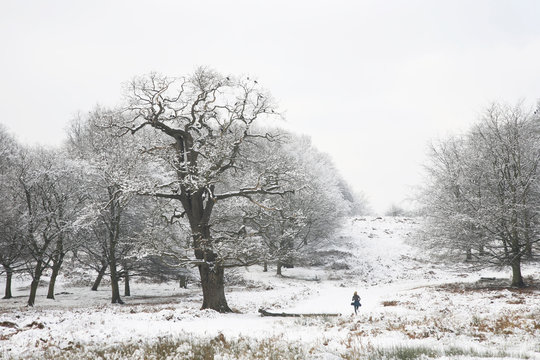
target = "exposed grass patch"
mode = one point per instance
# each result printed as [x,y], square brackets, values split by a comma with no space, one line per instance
[457,351]
[276,348]
[326,321]
[176,348]
[434,327]
[505,324]
[404,353]
[368,352]
[390,303]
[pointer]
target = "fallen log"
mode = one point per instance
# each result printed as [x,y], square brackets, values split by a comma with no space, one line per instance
[268,313]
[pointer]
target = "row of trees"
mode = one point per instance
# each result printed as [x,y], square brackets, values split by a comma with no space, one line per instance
[482,197]
[181,174]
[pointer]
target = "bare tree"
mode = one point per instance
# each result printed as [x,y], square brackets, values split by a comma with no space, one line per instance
[452,198]
[509,147]
[11,226]
[12,250]
[50,205]
[110,163]
[483,191]
[203,122]
[296,223]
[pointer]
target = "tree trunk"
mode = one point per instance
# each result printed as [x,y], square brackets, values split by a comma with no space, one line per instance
[506,249]
[100,276]
[52,282]
[528,250]
[127,290]
[38,270]
[528,240]
[115,298]
[469,254]
[183,281]
[9,275]
[517,279]
[481,250]
[57,263]
[212,281]
[265,266]
[33,291]
[114,233]
[212,274]
[279,266]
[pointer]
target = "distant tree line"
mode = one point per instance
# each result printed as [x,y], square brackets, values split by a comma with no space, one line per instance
[482,194]
[183,173]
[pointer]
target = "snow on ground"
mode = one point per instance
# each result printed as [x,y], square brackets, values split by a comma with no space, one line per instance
[407,301]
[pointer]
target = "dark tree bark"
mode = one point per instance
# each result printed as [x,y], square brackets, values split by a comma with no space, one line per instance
[9,275]
[183,281]
[279,267]
[517,279]
[265,266]
[114,233]
[99,276]
[115,298]
[58,259]
[212,282]
[481,250]
[528,250]
[52,282]
[528,240]
[212,273]
[36,276]
[127,290]
[33,292]
[469,254]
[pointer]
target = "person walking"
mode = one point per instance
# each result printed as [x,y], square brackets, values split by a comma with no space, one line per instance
[356,302]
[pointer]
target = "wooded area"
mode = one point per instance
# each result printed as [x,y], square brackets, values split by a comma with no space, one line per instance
[183,173]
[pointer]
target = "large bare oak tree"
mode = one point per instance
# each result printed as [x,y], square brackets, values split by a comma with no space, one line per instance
[202,123]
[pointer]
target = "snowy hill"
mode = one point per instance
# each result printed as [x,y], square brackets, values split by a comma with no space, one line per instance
[409,305]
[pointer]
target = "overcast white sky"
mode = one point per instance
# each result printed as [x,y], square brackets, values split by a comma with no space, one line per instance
[371,81]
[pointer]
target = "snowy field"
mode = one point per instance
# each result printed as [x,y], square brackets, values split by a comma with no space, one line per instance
[411,308]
